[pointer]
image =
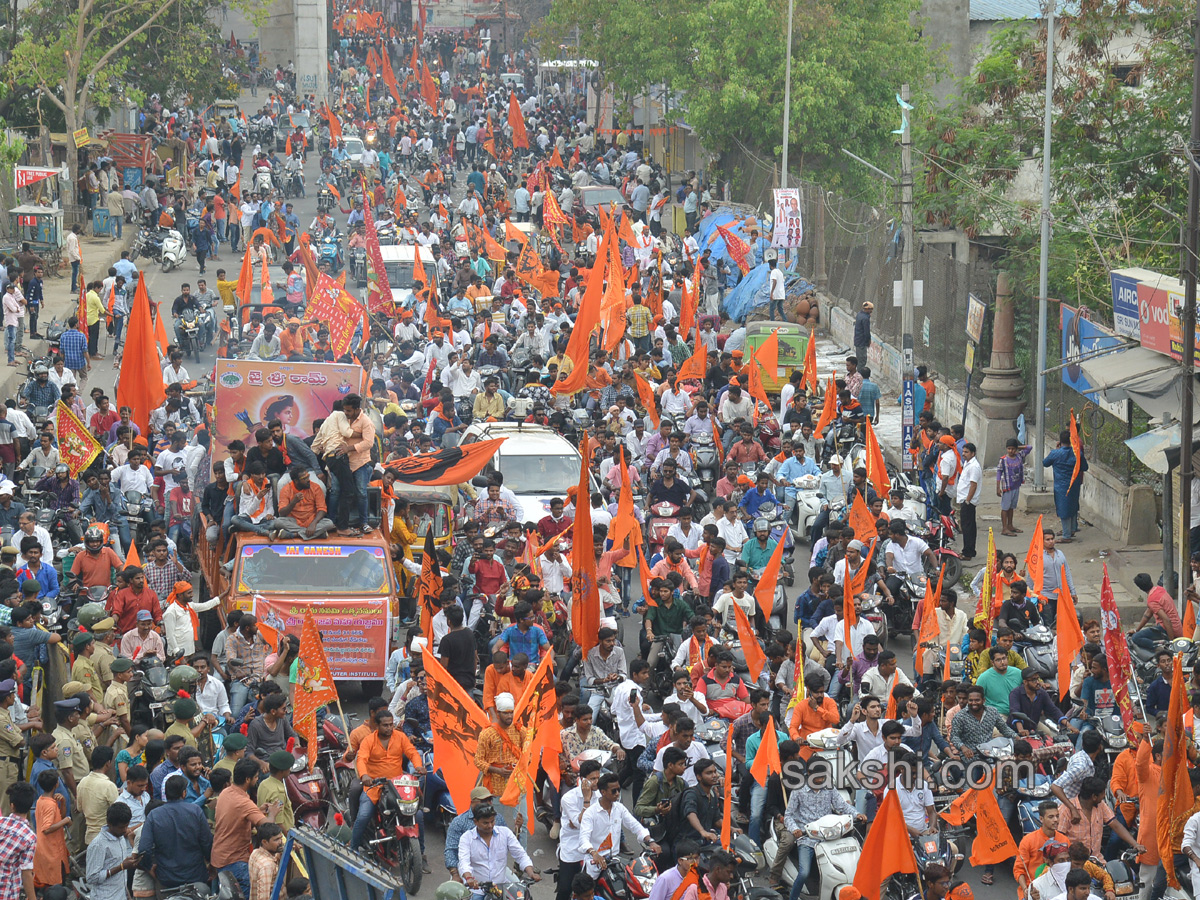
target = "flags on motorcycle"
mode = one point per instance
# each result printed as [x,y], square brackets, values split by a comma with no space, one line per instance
[1035,559]
[1076,448]
[516,121]
[451,466]
[886,850]
[1116,650]
[140,386]
[585,606]
[861,519]
[76,446]
[727,813]
[1070,635]
[764,591]
[429,587]
[1175,789]
[314,685]
[809,382]
[755,658]
[767,760]
[876,467]
[829,409]
[456,721]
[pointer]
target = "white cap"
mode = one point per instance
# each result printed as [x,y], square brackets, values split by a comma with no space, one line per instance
[505,703]
[835,460]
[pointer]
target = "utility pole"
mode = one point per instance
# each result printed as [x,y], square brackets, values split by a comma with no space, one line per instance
[1039,445]
[787,100]
[907,264]
[1188,329]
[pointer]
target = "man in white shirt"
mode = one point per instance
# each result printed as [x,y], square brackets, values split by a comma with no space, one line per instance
[133,476]
[602,824]
[462,379]
[170,462]
[778,293]
[685,531]
[831,631]
[970,481]
[915,802]
[575,803]
[684,730]
[880,680]
[484,852]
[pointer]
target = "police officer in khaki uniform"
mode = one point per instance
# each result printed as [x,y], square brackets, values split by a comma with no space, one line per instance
[11,741]
[72,761]
[84,670]
[116,698]
[102,658]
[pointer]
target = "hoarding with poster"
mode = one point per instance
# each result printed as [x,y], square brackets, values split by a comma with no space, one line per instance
[249,393]
[1160,302]
[1083,339]
[787,230]
[346,585]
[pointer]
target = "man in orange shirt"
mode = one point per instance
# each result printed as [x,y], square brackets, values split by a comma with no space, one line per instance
[380,756]
[367,728]
[815,712]
[503,677]
[301,508]
[291,340]
[1029,851]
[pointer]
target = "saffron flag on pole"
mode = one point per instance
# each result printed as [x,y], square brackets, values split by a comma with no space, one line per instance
[1070,635]
[1035,558]
[767,760]
[585,592]
[314,685]
[887,850]
[764,591]
[753,651]
[579,344]
[140,386]
[1175,787]
[809,381]
[456,722]
[1116,650]
[861,519]
[1076,448]
[829,409]
[429,587]
[876,467]
[453,465]
[516,121]
[727,814]
[379,292]
[646,395]
[767,354]
[76,446]
[737,249]
[983,609]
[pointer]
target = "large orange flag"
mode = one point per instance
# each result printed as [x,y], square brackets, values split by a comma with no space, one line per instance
[861,519]
[829,409]
[585,323]
[887,849]
[1070,635]
[1076,448]
[1035,558]
[751,648]
[727,815]
[809,380]
[646,395]
[928,629]
[1175,788]
[314,684]
[695,366]
[687,309]
[585,593]
[876,468]
[767,760]
[767,354]
[764,591]
[81,308]
[529,716]
[556,160]
[456,721]
[993,842]
[516,121]
[140,386]
[245,282]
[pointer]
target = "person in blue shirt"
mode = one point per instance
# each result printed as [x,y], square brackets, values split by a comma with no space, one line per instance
[1158,694]
[45,759]
[756,497]
[191,765]
[524,636]
[34,570]
[1066,492]
[795,466]
[176,839]
[809,603]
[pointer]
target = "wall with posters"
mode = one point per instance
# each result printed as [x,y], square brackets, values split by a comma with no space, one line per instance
[249,393]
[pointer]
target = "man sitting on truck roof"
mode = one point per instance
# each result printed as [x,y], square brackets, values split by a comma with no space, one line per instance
[301,508]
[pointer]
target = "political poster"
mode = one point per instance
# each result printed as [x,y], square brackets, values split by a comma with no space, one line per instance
[354,630]
[250,393]
[788,228]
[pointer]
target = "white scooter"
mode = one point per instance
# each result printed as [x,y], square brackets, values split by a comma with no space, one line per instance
[808,504]
[173,250]
[836,856]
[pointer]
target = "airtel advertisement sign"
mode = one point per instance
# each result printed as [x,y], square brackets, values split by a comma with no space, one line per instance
[1160,302]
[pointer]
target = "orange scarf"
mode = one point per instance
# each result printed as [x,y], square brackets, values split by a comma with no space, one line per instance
[173,597]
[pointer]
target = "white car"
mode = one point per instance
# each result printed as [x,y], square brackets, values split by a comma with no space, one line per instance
[354,148]
[538,463]
[399,261]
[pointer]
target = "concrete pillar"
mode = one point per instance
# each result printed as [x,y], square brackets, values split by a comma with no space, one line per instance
[1002,385]
[311,42]
[946,27]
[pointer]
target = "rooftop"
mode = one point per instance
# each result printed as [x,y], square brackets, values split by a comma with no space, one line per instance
[999,10]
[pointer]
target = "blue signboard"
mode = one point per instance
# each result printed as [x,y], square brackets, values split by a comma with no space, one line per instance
[1125,305]
[1083,339]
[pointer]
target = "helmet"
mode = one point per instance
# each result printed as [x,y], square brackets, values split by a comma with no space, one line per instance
[41,369]
[91,613]
[93,534]
[451,890]
[182,677]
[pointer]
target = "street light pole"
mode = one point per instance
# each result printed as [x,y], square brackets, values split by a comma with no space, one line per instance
[907,266]
[787,99]
[1188,325]
[1039,445]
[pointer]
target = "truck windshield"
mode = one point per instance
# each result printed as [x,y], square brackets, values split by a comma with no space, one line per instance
[313,569]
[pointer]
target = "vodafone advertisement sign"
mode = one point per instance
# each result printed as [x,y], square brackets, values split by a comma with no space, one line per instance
[1160,301]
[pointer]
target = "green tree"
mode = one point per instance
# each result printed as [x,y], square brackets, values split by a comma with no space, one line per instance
[1117,170]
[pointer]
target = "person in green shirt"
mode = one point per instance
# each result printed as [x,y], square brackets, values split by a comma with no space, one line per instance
[273,789]
[185,725]
[999,681]
[662,787]
[665,622]
[757,553]
[233,748]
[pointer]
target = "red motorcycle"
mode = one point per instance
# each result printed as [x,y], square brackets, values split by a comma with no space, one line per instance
[939,535]
[340,775]
[307,791]
[394,832]
[663,515]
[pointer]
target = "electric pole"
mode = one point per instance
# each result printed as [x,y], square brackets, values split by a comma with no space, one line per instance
[1039,443]
[787,100]
[1188,329]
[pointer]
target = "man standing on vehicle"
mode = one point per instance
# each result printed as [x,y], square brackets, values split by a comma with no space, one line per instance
[381,757]
[344,442]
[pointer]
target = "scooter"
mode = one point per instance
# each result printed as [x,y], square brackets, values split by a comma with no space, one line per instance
[1036,645]
[808,503]
[940,537]
[664,515]
[308,791]
[173,251]
[837,856]
[705,462]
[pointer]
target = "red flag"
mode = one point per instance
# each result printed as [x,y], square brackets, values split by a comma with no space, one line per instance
[1035,558]
[887,849]
[379,291]
[585,606]
[1116,649]
[516,121]
[737,249]
[727,814]
[1175,788]
[76,445]
[140,386]
[767,760]
[755,658]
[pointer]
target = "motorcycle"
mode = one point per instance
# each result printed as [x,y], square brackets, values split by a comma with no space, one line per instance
[1036,645]
[664,515]
[706,463]
[356,261]
[394,841]
[837,856]
[150,694]
[939,535]
[189,332]
[308,792]
[627,879]
[872,611]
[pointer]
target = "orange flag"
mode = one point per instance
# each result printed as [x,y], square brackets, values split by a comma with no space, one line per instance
[690,880]
[81,310]
[767,760]
[849,616]
[1070,635]
[861,519]
[764,591]
[809,380]
[579,344]
[132,558]
[929,631]
[625,521]
[993,843]
[1076,448]
[77,447]
[856,583]
[1175,787]
[245,282]
[876,468]
[314,683]
[456,721]
[556,160]
[516,122]
[646,395]
[887,849]
[1035,558]
[1189,619]
[270,635]
[512,233]
[829,409]
[644,572]
[767,354]
[429,587]
[717,439]
[140,386]
[687,310]
[726,816]
[962,810]
[755,658]
[585,606]
[695,366]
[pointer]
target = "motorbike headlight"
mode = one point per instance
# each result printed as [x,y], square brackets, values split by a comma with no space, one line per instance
[300,764]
